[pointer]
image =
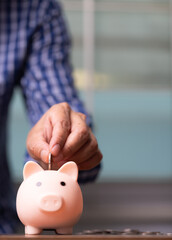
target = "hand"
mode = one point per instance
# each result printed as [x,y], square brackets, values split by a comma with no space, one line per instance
[66,135]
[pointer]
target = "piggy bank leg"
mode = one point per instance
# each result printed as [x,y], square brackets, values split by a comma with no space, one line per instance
[65,230]
[32,230]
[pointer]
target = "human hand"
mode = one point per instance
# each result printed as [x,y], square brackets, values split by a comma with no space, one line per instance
[66,135]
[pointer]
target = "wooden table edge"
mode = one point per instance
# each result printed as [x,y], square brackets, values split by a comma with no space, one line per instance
[84,237]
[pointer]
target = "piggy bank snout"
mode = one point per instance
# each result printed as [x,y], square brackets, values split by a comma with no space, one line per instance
[50,203]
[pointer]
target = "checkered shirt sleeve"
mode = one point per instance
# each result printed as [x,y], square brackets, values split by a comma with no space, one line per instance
[47,77]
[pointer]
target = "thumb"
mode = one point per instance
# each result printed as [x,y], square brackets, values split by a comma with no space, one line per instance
[37,147]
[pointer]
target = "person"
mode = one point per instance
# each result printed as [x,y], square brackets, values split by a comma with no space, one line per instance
[34,55]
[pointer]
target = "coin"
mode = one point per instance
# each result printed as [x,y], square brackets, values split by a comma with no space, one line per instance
[49,161]
[126,232]
[129,231]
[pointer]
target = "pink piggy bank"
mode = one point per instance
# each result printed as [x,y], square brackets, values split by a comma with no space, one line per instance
[49,199]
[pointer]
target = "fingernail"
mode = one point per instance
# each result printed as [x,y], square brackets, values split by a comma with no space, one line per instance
[44,156]
[55,150]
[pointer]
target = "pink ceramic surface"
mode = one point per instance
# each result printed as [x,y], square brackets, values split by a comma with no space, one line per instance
[49,199]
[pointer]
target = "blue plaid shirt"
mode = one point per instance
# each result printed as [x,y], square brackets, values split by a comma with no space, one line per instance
[34,55]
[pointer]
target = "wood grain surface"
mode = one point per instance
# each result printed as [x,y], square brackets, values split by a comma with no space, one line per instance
[82,237]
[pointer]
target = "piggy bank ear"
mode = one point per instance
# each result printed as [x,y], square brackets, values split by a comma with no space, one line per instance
[31,168]
[71,169]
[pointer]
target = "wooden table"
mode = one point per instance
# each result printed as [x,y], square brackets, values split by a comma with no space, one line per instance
[83,237]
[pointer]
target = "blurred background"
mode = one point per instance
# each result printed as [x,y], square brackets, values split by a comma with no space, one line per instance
[122,58]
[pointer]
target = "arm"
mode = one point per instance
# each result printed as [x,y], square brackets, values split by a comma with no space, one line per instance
[64,128]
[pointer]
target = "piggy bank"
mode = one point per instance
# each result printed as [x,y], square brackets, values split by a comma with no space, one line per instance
[49,199]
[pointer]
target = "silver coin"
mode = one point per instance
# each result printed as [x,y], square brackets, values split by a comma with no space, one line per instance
[87,232]
[149,233]
[49,161]
[129,231]
[125,232]
[97,231]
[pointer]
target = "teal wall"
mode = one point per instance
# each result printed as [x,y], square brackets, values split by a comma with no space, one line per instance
[135,134]
[18,129]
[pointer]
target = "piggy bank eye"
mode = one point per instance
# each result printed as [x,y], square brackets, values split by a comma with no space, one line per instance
[38,184]
[63,183]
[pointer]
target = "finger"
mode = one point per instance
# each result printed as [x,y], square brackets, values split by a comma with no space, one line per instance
[91,162]
[57,165]
[37,147]
[86,151]
[79,136]
[60,120]
[47,130]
